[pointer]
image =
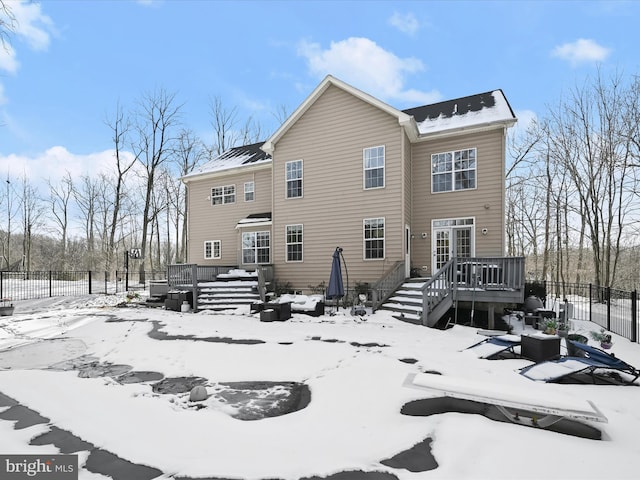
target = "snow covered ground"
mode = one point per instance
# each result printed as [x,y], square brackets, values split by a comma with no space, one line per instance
[354,369]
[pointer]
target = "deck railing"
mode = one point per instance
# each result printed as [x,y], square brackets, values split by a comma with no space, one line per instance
[438,287]
[497,273]
[390,281]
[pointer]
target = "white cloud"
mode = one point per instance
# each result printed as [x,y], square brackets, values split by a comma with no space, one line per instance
[406,23]
[581,51]
[366,65]
[3,99]
[8,61]
[54,163]
[32,25]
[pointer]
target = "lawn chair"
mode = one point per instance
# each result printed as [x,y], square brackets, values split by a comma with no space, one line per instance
[591,361]
[495,347]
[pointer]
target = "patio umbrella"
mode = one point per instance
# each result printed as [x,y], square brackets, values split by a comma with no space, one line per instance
[335,290]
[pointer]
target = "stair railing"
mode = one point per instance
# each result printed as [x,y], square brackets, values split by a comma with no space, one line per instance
[265,277]
[387,284]
[437,288]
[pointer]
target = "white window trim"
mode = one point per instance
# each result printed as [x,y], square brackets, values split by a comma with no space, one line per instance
[213,249]
[252,191]
[384,168]
[453,181]
[286,243]
[255,248]
[235,195]
[286,180]
[384,240]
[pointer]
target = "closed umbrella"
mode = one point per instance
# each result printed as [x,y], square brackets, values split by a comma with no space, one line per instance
[335,290]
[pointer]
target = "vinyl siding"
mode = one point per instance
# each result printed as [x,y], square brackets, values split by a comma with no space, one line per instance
[218,222]
[329,138]
[485,203]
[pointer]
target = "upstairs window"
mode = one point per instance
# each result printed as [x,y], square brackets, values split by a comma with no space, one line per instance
[294,179]
[453,171]
[373,233]
[223,195]
[249,191]
[294,243]
[212,249]
[373,160]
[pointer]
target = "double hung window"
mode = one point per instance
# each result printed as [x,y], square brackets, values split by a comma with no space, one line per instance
[212,249]
[453,171]
[294,243]
[373,233]
[294,179]
[223,195]
[373,160]
[249,191]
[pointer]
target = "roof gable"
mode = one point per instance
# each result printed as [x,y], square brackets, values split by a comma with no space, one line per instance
[403,119]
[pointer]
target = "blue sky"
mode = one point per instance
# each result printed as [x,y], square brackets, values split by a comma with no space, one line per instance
[70,62]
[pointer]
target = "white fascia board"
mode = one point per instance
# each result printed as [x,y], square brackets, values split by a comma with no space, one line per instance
[465,130]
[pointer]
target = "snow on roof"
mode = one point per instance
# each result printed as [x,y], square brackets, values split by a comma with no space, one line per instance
[474,110]
[233,158]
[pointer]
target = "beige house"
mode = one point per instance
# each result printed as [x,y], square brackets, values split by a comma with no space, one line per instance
[410,188]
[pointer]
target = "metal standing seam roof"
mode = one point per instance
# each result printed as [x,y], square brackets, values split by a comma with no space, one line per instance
[233,158]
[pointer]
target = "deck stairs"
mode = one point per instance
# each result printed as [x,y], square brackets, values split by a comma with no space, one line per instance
[228,291]
[406,301]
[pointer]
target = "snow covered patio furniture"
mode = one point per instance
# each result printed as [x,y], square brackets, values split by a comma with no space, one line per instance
[595,363]
[496,346]
[524,407]
[309,304]
[282,311]
[540,347]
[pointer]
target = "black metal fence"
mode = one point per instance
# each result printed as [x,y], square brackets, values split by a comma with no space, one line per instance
[16,286]
[612,309]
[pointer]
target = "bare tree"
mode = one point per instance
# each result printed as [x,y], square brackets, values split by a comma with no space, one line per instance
[32,218]
[59,198]
[188,155]
[12,203]
[590,138]
[87,195]
[120,128]
[158,116]
[7,23]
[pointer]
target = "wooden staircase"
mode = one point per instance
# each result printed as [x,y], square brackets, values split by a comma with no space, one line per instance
[406,301]
[228,291]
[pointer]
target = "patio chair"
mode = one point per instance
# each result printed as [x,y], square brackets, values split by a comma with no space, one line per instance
[592,361]
[496,346]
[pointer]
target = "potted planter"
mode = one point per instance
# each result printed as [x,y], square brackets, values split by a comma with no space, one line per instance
[563,329]
[6,309]
[603,337]
[550,326]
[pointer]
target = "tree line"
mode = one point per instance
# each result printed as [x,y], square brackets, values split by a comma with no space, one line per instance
[140,202]
[572,191]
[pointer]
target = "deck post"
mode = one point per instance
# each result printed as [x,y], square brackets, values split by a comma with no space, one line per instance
[491,310]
